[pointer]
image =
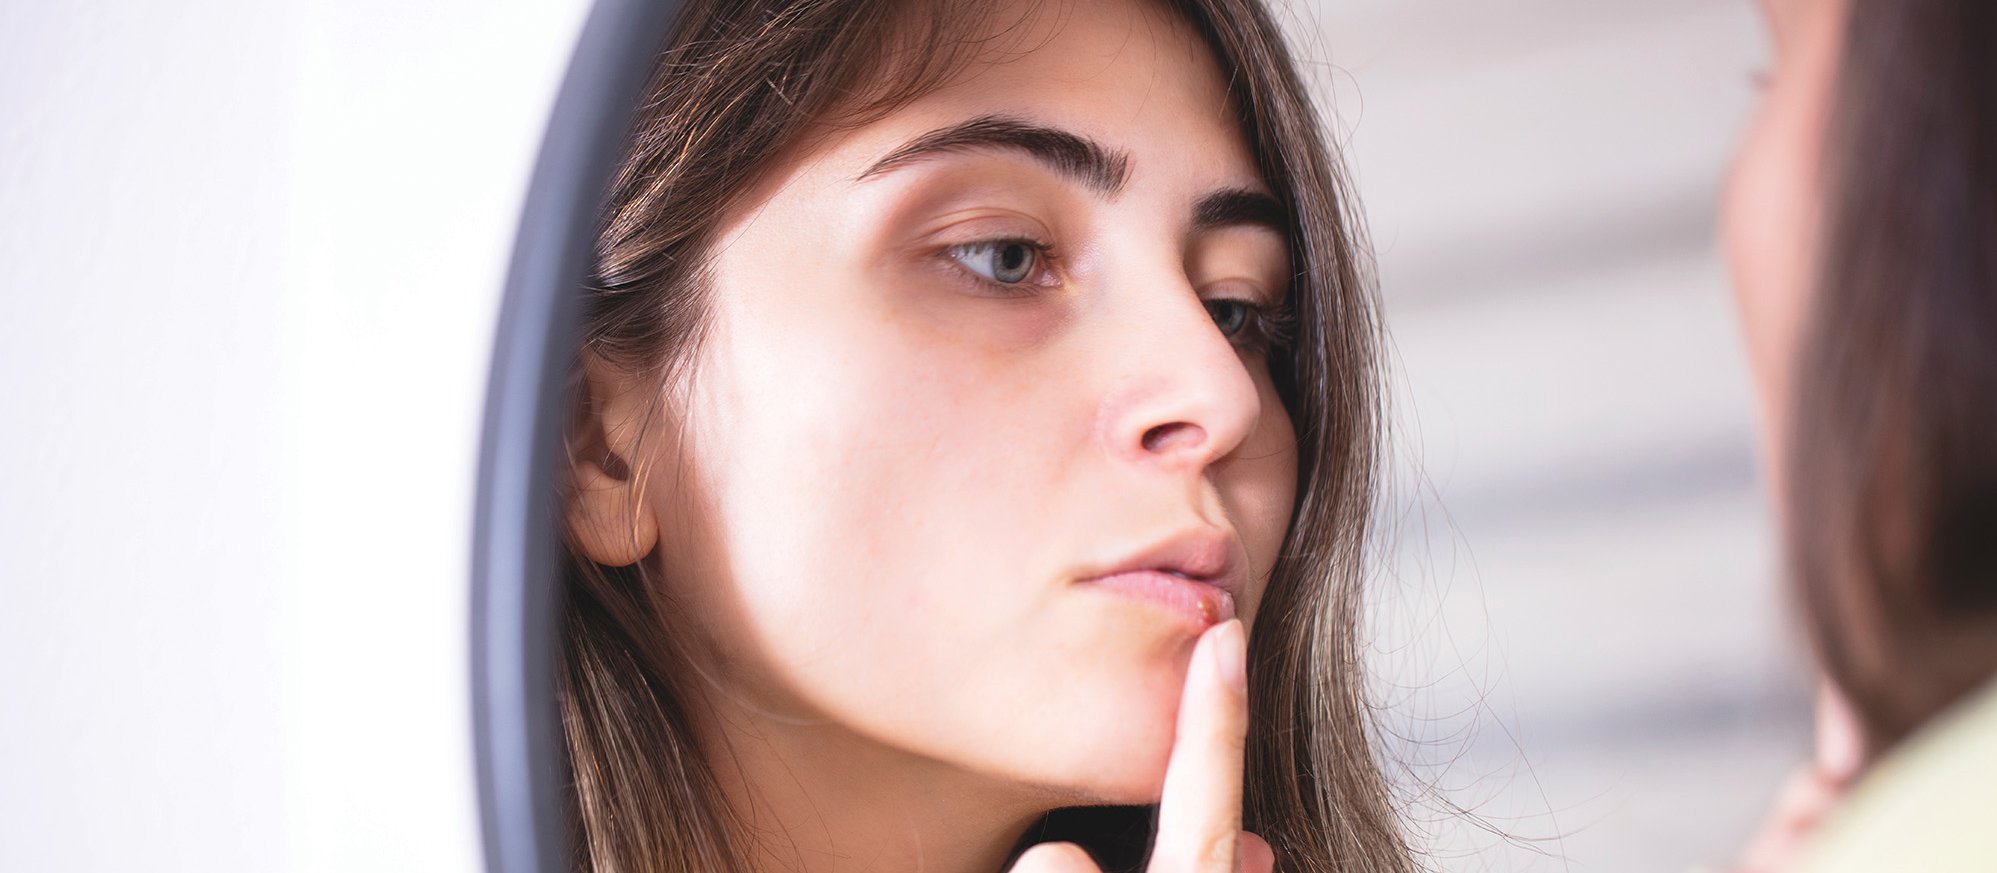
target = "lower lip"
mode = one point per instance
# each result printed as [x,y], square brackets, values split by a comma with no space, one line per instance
[1203,604]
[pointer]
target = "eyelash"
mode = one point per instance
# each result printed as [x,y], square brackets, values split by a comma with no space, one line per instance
[1043,254]
[1268,328]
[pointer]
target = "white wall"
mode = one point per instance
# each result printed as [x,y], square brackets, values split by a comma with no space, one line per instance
[250,255]
[1581,639]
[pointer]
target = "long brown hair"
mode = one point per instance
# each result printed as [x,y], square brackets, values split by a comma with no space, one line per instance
[741,83]
[1893,484]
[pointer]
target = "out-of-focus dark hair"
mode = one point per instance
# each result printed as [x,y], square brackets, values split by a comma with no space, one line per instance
[744,83]
[1893,474]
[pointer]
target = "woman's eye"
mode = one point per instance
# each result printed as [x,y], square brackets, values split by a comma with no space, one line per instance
[1006,261]
[1252,326]
[1231,316]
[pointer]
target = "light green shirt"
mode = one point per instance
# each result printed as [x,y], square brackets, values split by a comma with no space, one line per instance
[1930,807]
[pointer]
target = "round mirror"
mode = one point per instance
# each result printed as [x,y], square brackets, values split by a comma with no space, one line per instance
[514,570]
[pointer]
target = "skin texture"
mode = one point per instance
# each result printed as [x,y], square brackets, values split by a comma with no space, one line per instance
[877,503]
[1773,213]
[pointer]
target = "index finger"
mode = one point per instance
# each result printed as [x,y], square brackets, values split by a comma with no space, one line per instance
[1199,817]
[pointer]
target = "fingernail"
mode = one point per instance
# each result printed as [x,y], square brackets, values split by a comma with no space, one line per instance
[1230,652]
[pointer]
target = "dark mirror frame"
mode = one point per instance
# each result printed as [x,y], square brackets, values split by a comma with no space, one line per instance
[522,763]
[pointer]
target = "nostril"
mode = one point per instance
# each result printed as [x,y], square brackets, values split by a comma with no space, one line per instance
[1171,437]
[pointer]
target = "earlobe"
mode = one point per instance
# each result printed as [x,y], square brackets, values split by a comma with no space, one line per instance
[608,516]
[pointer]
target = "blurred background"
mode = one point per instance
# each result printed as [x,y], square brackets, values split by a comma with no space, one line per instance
[250,261]
[1580,642]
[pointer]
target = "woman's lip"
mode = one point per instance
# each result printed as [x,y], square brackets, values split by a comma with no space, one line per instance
[1201,603]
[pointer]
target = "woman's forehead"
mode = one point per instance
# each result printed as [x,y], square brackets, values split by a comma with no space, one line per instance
[1123,89]
[1114,62]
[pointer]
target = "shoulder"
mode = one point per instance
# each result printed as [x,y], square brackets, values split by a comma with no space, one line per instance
[1925,807]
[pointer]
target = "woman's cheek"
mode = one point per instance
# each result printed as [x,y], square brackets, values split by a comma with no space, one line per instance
[1262,489]
[1757,244]
[1772,216]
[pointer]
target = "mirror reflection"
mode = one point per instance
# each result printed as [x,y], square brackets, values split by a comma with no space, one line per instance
[981,456]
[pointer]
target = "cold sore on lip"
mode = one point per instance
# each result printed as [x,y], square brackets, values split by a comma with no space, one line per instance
[1200,602]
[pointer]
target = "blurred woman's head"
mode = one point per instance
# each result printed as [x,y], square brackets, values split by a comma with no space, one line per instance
[949,368]
[1860,221]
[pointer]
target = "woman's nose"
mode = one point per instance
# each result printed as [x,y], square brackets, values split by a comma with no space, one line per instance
[1183,396]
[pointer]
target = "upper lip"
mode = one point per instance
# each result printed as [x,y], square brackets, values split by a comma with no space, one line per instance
[1203,554]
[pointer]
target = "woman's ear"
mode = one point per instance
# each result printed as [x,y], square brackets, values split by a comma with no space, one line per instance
[610,519]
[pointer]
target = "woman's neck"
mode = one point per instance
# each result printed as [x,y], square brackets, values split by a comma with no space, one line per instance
[819,798]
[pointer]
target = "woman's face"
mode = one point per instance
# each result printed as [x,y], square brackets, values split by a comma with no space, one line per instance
[982,381]
[1774,201]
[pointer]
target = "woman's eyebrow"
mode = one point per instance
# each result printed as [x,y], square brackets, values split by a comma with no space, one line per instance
[1240,206]
[1072,155]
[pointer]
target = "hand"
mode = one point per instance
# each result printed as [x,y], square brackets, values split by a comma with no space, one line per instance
[1811,793]
[1199,818]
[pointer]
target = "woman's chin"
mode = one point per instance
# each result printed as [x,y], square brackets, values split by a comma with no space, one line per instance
[1083,715]
[1113,749]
